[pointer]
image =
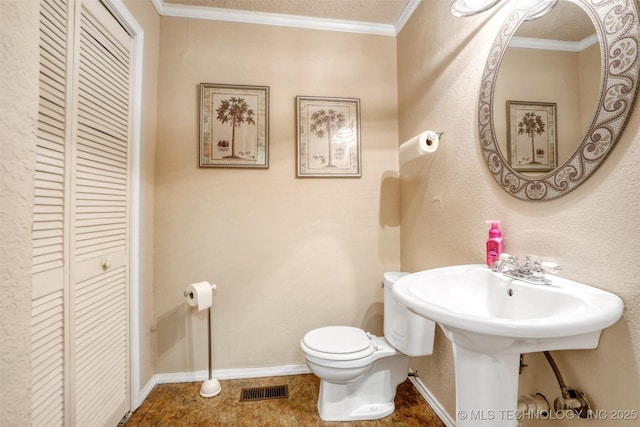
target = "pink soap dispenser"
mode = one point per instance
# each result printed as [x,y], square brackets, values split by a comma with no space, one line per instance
[495,246]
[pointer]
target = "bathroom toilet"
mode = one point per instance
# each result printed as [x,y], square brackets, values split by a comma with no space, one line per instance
[359,372]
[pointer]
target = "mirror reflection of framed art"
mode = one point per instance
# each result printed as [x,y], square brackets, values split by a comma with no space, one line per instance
[532,142]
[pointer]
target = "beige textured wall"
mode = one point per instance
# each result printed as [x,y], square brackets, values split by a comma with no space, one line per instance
[18,115]
[288,255]
[589,66]
[593,232]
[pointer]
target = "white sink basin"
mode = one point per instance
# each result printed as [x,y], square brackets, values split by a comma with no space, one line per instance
[487,311]
[491,319]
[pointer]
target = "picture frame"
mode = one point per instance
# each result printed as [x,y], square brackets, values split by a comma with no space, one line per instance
[532,143]
[328,137]
[234,126]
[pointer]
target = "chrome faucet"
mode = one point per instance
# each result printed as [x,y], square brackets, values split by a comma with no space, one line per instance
[509,266]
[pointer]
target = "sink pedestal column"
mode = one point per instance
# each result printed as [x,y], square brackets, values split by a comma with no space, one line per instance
[486,388]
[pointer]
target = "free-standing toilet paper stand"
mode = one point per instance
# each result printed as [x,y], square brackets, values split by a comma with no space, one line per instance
[210,387]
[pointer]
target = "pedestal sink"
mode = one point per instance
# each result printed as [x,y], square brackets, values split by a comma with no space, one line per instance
[491,319]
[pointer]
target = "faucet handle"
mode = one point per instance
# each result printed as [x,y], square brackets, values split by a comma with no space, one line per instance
[506,257]
[550,267]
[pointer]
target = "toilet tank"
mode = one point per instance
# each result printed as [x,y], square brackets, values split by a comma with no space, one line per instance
[411,334]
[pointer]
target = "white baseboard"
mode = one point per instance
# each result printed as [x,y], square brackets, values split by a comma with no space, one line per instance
[433,402]
[142,395]
[221,374]
[276,371]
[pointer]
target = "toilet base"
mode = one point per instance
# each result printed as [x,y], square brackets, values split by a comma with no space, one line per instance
[369,398]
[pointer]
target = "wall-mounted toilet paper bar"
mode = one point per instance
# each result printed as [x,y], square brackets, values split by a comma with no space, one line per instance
[190,294]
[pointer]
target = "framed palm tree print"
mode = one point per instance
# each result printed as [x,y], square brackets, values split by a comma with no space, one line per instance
[532,144]
[328,137]
[234,126]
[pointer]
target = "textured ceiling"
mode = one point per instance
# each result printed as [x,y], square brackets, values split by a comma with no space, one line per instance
[370,11]
[566,21]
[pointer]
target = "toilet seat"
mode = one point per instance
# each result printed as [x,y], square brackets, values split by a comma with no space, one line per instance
[339,343]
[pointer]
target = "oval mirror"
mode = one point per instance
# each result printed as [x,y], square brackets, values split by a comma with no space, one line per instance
[556,94]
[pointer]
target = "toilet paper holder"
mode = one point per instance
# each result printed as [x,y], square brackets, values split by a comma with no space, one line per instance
[188,294]
[425,143]
[211,387]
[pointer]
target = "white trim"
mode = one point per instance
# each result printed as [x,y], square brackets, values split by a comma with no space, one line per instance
[146,390]
[232,374]
[136,199]
[433,402]
[405,15]
[137,33]
[560,45]
[262,18]
[222,374]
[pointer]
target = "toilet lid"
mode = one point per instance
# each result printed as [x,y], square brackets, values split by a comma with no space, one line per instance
[338,342]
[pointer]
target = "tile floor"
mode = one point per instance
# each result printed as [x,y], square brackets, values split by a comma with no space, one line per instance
[170,405]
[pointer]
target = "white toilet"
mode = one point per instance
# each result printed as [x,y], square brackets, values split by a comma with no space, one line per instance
[360,372]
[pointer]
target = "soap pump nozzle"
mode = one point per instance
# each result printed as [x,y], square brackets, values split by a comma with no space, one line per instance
[494,231]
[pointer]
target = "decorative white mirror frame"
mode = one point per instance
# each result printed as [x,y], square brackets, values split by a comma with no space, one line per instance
[618,28]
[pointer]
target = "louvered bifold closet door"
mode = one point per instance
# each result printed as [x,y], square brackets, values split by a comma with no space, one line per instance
[80,354]
[100,214]
[48,237]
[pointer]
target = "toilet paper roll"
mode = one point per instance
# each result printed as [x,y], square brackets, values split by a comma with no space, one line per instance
[200,295]
[425,143]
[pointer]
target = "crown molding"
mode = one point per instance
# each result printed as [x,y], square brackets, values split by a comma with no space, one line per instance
[261,18]
[405,15]
[560,45]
